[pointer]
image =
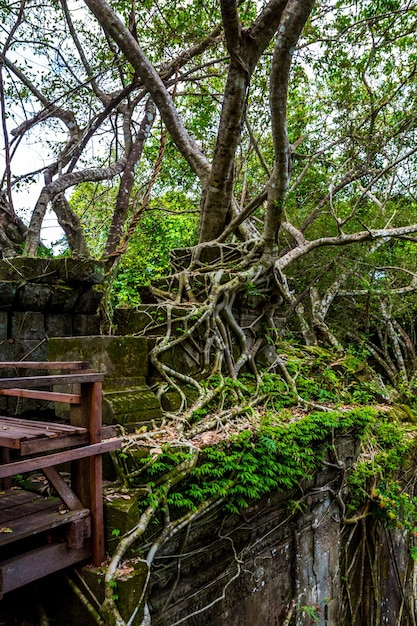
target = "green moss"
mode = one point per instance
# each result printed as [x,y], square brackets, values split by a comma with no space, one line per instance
[402,413]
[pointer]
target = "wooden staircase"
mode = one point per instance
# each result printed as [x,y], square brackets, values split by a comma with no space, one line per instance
[41,535]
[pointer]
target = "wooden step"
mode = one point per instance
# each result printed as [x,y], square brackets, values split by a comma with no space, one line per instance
[30,514]
[23,569]
[33,436]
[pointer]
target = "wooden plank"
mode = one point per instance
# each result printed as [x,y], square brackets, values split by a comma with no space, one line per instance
[29,465]
[51,396]
[6,441]
[96,477]
[66,494]
[77,532]
[32,436]
[39,522]
[35,446]
[15,497]
[45,365]
[36,505]
[23,569]
[31,382]
[34,423]
[16,431]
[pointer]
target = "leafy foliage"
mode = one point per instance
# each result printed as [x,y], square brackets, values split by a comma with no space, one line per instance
[279,456]
[388,453]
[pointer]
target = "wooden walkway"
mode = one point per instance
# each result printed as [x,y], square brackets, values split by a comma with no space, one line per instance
[39,535]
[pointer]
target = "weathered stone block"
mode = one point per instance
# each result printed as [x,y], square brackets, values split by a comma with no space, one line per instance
[58,325]
[52,271]
[147,316]
[7,349]
[185,358]
[7,294]
[121,514]
[4,319]
[28,325]
[30,350]
[171,401]
[33,297]
[63,298]
[129,585]
[129,406]
[83,325]
[130,321]
[117,357]
[89,300]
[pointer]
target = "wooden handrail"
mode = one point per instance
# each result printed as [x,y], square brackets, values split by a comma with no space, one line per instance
[34,394]
[45,365]
[85,412]
[49,460]
[30,382]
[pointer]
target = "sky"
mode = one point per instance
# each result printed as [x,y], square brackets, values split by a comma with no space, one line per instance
[28,158]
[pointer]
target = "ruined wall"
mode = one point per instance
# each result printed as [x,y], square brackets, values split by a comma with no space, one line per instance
[41,298]
[284,561]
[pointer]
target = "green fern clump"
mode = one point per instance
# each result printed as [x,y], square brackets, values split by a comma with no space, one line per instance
[388,451]
[277,456]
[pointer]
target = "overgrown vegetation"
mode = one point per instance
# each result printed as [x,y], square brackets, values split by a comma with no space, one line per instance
[292,309]
[277,444]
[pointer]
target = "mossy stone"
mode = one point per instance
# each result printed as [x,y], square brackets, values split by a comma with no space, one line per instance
[52,271]
[121,514]
[129,584]
[7,294]
[402,413]
[130,406]
[114,356]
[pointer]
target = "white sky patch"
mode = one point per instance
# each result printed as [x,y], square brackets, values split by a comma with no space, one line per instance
[28,158]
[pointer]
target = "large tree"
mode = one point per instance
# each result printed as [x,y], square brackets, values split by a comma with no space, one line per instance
[286,124]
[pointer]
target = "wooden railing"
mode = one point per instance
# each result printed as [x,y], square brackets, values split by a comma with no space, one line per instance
[28,445]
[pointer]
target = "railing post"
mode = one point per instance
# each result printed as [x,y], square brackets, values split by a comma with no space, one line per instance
[87,482]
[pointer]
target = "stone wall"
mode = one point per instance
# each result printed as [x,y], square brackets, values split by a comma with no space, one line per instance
[253,569]
[42,298]
[127,398]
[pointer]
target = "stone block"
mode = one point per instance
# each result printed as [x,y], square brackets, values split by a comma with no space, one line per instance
[7,294]
[30,350]
[85,325]
[63,298]
[7,350]
[4,320]
[89,300]
[131,321]
[58,325]
[120,513]
[171,401]
[52,271]
[117,357]
[28,325]
[130,581]
[130,406]
[33,297]
[185,358]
